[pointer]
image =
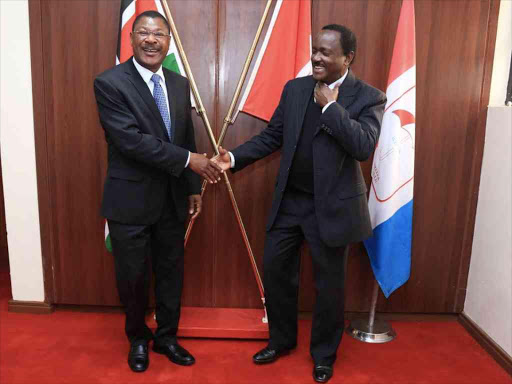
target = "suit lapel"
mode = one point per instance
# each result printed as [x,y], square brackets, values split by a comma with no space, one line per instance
[302,106]
[347,91]
[143,90]
[346,94]
[171,94]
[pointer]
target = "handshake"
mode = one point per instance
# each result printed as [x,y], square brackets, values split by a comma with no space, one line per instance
[210,169]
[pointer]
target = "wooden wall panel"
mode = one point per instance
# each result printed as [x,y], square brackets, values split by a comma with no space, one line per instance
[77,38]
[78,41]
[200,44]
[253,187]
[473,158]
[41,149]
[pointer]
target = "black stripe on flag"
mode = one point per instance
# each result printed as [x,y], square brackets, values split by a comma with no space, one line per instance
[124,5]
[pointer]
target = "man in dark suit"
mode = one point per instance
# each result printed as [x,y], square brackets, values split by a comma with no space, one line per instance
[152,177]
[325,125]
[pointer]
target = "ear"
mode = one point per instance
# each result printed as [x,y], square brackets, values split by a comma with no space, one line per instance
[349,58]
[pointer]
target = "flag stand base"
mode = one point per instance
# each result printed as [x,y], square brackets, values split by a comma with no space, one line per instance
[220,323]
[380,332]
[371,330]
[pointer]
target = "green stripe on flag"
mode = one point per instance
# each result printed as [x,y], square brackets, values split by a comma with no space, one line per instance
[108,244]
[171,63]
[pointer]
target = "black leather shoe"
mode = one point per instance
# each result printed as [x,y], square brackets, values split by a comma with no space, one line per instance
[138,357]
[267,355]
[322,373]
[175,352]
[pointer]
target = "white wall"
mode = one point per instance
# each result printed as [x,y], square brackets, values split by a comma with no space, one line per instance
[18,153]
[501,64]
[489,291]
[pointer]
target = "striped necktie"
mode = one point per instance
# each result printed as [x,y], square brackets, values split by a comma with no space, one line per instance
[159,96]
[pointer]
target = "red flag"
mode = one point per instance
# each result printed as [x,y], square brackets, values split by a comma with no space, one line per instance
[404,51]
[284,55]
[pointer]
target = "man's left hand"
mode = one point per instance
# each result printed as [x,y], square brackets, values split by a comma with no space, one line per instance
[324,94]
[194,205]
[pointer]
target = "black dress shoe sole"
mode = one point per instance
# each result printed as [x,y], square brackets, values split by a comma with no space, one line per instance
[262,362]
[326,372]
[321,381]
[138,370]
[172,358]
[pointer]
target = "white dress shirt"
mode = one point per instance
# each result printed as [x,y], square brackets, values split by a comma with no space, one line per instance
[332,85]
[146,76]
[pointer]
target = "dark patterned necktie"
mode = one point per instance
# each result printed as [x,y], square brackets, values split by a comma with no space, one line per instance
[159,96]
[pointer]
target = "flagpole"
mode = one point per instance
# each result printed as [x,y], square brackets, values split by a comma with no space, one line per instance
[200,107]
[373,331]
[228,120]
[214,144]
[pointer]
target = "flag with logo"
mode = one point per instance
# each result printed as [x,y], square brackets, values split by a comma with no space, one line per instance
[129,11]
[284,55]
[391,194]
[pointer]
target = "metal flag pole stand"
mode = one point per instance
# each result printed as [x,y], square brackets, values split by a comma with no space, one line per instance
[373,331]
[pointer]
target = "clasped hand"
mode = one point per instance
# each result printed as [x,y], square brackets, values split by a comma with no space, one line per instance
[223,160]
[210,169]
[324,94]
[205,167]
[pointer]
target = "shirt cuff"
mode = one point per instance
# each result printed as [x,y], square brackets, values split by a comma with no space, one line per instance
[327,106]
[232,160]
[188,160]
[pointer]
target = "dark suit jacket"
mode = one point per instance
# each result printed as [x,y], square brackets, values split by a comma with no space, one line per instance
[346,134]
[143,165]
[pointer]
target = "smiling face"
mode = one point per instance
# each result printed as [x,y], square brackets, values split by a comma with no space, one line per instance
[329,61]
[150,51]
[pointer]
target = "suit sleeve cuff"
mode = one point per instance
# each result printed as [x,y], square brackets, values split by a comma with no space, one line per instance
[327,106]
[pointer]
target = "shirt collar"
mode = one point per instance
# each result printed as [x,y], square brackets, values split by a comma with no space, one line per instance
[146,73]
[339,81]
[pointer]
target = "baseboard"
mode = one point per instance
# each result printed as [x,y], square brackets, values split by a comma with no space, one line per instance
[493,349]
[34,307]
